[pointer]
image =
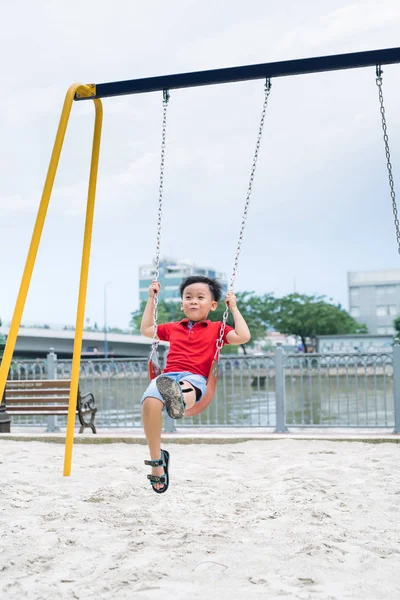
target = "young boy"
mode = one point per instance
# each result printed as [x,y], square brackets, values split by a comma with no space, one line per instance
[192,349]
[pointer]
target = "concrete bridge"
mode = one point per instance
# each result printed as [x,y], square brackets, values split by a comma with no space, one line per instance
[36,342]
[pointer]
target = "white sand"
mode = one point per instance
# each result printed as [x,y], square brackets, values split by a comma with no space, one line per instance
[260,519]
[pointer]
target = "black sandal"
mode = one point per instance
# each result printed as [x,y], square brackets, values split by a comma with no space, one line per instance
[163,479]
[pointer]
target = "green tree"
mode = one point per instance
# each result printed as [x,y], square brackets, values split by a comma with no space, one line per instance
[167,311]
[309,316]
[249,306]
[396,325]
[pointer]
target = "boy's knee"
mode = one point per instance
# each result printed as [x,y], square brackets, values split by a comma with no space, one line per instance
[151,403]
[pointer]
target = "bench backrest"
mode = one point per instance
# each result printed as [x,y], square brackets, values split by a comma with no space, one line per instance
[47,391]
[38,384]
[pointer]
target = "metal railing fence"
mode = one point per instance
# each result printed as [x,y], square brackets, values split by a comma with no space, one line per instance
[339,390]
[276,390]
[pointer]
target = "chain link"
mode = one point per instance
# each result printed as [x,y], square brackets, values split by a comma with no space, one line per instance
[387,152]
[154,346]
[267,91]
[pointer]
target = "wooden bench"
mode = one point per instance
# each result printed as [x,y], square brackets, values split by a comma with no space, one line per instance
[48,397]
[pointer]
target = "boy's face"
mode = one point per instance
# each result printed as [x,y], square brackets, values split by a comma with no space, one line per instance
[197,301]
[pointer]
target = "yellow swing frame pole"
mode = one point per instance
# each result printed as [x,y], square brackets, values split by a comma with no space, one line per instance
[36,235]
[83,91]
[80,315]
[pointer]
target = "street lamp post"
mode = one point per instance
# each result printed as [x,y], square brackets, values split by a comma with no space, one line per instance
[105,320]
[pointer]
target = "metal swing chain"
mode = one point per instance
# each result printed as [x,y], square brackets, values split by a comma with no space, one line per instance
[387,152]
[267,90]
[155,342]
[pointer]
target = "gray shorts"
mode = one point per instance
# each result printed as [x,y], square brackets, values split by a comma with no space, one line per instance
[197,380]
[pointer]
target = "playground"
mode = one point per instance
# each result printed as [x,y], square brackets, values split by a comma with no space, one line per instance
[282,519]
[247,514]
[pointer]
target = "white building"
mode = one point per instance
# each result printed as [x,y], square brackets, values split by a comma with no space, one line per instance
[172,273]
[374,299]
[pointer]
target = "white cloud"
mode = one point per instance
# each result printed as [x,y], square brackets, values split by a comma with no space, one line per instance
[349,24]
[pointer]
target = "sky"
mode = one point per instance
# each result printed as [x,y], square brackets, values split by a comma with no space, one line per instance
[320,205]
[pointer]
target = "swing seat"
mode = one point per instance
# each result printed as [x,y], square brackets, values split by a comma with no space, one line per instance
[154,371]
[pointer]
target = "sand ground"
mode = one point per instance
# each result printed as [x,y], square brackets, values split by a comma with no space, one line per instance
[258,519]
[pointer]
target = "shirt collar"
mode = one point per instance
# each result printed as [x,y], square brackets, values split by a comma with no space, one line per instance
[185,322]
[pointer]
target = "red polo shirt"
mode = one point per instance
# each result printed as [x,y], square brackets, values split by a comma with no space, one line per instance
[191,348]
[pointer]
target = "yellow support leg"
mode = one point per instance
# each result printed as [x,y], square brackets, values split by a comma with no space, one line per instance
[76,359]
[37,233]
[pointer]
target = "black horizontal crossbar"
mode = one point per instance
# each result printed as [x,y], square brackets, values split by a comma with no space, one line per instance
[284,68]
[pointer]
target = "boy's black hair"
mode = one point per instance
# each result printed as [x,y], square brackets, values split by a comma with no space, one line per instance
[213,284]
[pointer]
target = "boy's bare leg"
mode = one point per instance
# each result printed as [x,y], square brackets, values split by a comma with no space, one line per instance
[190,397]
[152,425]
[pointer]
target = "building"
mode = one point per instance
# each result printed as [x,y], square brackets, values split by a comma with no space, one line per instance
[351,344]
[171,274]
[374,299]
